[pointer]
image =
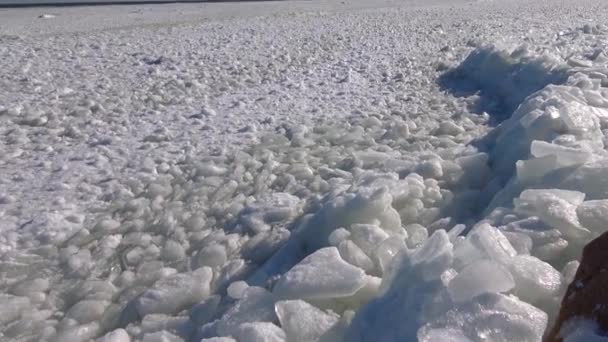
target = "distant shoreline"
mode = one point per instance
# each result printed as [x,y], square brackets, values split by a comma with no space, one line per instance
[76,3]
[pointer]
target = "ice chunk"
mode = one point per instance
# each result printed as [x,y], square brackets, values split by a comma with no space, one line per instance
[449,128]
[537,196]
[491,242]
[576,118]
[538,231]
[386,252]
[302,321]
[565,156]
[434,256]
[179,325]
[118,335]
[210,170]
[480,277]
[556,208]
[338,236]
[85,332]
[11,307]
[590,178]
[367,205]
[259,332]
[270,209]
[174,293]
[417,234]
[531,171]
[593,215]
[322,274]
[430,169]
[213,255]
[161,336]
[87,311]
[367,237]
[493,317]
[456,232]
[355,256]
[521,242]
[260,247]
[173,251]
[442,335]
[569,271]
[257,305]
[106,226]
[535,279]
[370,290]
[412,283]
[237,289]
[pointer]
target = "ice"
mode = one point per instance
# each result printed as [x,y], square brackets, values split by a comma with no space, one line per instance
[443,334]
[417,234]
[535,280]
[338,235]
[118,335]
[556,208]
[565,156]
[475,167]
[212,255]
[173,251]
[546,241]
[367,237]
[304,322]
[269,210]
[87,311]
[538,195]
[204,311]
[177,325]
[491,243]
[260,332]
[493,317]
[533,170]
[574,116]
[323,274]
[257,305]
[593,215]
[237,289]
[161,336]
[262,246]
[478,278]
[352,254]
[589,179]
[175,293]
[12,307]
[85,332]
[521,242]
[386,252]
[449,128]
[376,184]
[569,271]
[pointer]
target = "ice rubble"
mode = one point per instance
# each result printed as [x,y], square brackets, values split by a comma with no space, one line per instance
[335,233]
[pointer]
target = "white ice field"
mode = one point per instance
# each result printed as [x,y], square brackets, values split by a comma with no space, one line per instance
[299,171]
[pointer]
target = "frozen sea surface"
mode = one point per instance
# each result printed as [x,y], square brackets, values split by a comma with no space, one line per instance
[298,171]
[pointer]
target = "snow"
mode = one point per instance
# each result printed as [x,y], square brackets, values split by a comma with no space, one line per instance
[299,170]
